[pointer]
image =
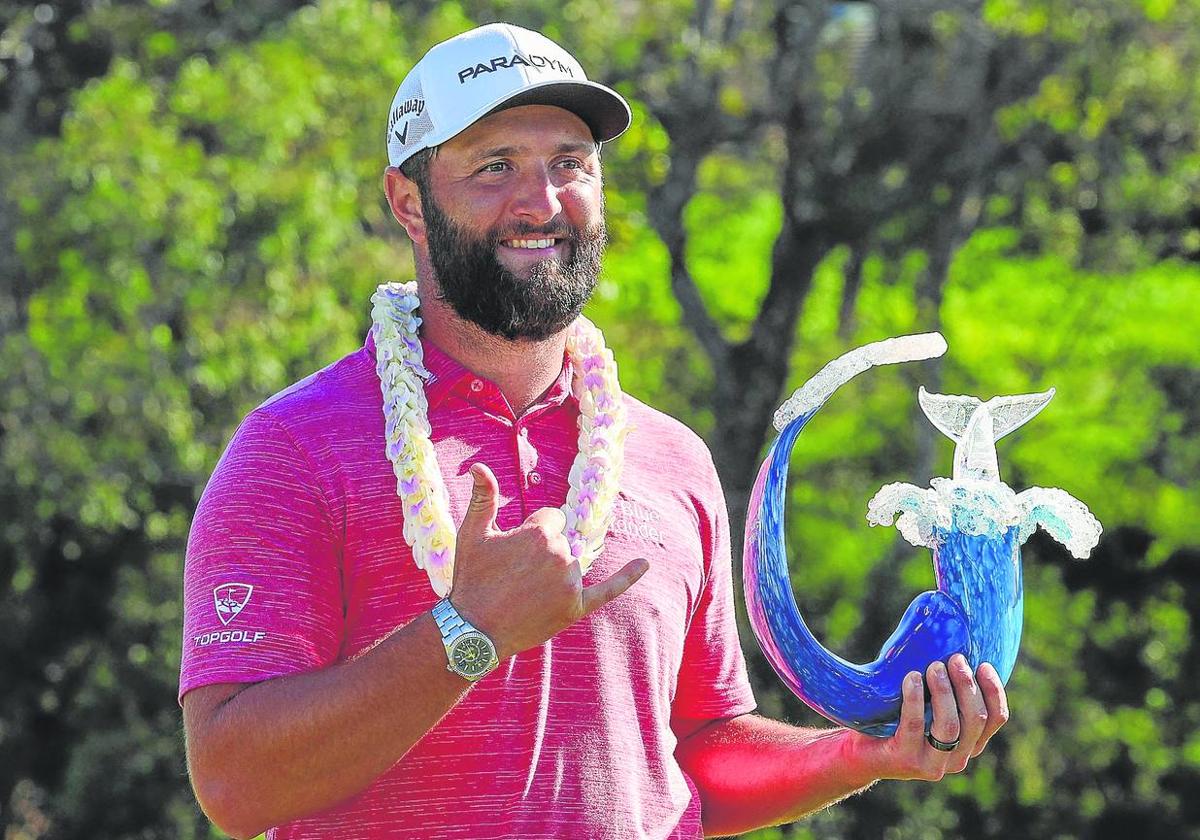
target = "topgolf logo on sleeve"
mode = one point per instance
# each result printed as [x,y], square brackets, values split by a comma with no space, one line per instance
[231,599]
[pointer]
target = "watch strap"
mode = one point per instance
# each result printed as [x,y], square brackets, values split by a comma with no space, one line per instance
[450,623]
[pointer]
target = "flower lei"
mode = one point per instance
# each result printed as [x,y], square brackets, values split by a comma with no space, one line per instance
[594,476]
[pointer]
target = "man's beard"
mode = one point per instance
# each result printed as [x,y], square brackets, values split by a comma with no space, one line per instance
[481,290]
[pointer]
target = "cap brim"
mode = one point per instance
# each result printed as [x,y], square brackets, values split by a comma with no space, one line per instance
[603,109]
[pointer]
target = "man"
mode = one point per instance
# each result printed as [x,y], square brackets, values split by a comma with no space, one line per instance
[326,688]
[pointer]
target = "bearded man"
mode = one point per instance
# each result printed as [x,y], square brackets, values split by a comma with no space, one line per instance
[567,663]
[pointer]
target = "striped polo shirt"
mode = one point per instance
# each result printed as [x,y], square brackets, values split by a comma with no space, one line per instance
[296,561]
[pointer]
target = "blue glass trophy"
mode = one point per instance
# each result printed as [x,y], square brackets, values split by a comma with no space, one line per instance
[973,524]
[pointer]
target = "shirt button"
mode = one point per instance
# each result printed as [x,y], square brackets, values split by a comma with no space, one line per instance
[535,477]
[476,385]
[524,432]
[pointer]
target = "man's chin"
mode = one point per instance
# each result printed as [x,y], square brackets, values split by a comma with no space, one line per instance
[527,273]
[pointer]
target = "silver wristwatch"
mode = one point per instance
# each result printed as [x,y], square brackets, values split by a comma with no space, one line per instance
[469,653]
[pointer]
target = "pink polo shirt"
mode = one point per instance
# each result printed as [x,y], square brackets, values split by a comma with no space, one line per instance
[296,561]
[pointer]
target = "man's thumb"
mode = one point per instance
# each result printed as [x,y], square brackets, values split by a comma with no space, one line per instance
[481,512]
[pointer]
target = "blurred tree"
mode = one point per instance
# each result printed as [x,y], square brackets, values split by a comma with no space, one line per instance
[49,50]
[201,224]
[186,244]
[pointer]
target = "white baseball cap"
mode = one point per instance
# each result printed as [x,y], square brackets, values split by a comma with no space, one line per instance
[485,70]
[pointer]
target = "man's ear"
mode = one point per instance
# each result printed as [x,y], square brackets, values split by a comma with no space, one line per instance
[404,197]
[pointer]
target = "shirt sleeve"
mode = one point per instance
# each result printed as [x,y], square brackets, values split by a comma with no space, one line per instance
[713,682]
[262,579]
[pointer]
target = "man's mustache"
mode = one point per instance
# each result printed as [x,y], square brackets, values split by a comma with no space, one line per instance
[538,232]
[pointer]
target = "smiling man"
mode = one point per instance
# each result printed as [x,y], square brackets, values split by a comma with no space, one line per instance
[566,664]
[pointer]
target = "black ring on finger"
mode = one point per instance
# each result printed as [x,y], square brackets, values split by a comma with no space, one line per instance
[940,745]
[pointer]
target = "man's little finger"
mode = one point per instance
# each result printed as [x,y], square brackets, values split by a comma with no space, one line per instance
[996,699]
[599,594]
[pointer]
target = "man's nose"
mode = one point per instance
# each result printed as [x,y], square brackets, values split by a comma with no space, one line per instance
[537,199]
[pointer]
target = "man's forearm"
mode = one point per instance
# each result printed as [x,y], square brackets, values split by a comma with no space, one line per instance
[753,772]
[291,746]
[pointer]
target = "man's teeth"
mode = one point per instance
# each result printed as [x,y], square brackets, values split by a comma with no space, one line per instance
[529,243]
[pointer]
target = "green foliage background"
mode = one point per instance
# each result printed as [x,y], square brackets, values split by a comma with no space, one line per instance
[191,218]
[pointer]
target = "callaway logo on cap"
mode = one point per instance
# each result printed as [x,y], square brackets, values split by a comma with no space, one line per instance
[485,70]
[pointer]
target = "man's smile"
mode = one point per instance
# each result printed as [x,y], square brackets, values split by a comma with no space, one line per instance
[530,243]
[529,250]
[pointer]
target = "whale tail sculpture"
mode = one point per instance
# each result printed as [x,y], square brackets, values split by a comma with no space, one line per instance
[973,523]
[975,426]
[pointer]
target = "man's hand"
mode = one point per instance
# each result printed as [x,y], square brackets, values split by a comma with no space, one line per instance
[967,707]
[520,587]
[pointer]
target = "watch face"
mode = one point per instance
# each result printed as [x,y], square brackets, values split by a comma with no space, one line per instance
[472,655]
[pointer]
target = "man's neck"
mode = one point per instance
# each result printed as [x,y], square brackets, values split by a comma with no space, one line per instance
[523,369]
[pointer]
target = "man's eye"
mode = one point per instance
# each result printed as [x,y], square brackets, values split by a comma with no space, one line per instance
[496,166]
[571,163]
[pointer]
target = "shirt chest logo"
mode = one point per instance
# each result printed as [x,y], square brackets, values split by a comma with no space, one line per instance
[634,519]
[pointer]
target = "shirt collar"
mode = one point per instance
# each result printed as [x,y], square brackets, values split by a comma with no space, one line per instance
[448,376]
